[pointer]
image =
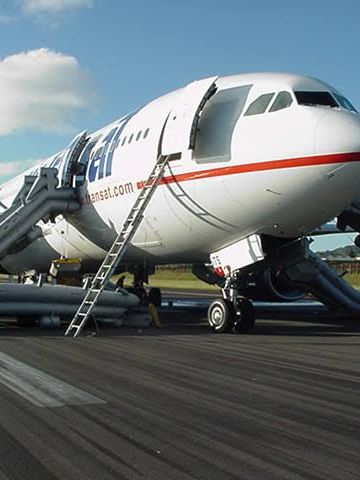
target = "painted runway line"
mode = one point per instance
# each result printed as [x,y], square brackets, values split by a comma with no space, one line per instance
[39,388]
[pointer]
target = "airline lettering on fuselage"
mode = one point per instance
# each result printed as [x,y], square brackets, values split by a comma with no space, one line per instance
[100,165]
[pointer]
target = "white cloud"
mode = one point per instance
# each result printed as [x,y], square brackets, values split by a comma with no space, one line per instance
[41,90]
[15,168]
[45,7]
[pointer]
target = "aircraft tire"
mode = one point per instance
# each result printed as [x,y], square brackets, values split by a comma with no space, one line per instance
[245,321]
[221,316]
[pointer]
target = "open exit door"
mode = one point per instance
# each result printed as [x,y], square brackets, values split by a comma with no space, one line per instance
[181,126]
[67,167]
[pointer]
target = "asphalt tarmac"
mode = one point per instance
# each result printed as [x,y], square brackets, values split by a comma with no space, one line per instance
[182,403]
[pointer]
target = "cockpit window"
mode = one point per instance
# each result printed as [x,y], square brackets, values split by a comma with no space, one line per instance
[344,102]
[316,99]
[259,105]
[283,100]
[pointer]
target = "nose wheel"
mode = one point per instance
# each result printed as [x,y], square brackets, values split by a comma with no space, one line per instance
[223,316]
[245,316]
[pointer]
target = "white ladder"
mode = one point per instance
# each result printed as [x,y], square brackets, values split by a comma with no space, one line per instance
[117,249]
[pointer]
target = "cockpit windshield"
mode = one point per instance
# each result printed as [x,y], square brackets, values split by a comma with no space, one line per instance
[324,99]
[344,102]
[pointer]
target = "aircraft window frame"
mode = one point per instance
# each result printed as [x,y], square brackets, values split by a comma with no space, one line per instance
[277,103]
[259,105]
[317,98]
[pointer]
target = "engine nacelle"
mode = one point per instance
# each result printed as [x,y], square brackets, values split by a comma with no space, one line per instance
[268,285]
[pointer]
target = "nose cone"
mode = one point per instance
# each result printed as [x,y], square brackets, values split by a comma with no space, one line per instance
[337,142]
[337,139]
[337,132]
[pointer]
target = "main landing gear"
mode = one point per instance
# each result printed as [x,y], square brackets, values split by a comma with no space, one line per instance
[231,312]
[141,275]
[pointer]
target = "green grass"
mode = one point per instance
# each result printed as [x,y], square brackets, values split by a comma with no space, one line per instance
[353,279]
[172,279]
[188,281]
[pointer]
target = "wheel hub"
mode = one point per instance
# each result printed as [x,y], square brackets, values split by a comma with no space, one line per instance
[217,316]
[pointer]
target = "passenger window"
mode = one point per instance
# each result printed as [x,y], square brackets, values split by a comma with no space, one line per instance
[138,135]
[259,105]
[123,142]
[130,138]
[283,100]
[146,133]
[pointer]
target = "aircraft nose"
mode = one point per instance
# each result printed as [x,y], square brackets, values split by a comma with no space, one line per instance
[337,143]
[338,133]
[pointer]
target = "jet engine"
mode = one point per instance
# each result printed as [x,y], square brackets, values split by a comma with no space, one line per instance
[269,285]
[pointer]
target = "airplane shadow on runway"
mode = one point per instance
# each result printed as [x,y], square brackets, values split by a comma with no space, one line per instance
[194,323]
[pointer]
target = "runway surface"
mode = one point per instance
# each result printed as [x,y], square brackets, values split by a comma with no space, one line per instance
[181,402]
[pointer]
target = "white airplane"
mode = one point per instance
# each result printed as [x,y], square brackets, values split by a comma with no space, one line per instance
[255,162]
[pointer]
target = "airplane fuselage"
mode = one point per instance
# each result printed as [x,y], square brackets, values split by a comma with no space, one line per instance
[275,154]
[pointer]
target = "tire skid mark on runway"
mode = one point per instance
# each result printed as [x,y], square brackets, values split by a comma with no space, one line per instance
[38,387]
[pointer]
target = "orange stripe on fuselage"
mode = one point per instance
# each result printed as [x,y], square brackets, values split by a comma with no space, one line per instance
[261,166]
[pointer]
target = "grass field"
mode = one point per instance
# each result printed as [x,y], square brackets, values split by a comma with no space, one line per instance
[188,281]
[353,279]
[173,279]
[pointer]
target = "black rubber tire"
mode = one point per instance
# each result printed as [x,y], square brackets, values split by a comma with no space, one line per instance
[221,316]
[155,297]
[246,320]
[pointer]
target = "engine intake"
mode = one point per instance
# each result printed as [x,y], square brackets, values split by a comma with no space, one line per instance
[269,285]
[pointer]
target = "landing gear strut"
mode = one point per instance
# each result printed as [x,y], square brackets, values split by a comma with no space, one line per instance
[141,275]
[231,312]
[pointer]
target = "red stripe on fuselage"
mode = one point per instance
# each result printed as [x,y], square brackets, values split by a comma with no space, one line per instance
[262,166]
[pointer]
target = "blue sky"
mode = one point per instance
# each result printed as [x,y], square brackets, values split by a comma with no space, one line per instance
[70,65]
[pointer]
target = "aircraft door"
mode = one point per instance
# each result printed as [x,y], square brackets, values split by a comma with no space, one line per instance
[69,158]
[217,124]
[181,125]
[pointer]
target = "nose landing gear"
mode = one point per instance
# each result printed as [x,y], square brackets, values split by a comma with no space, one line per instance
[231,312]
